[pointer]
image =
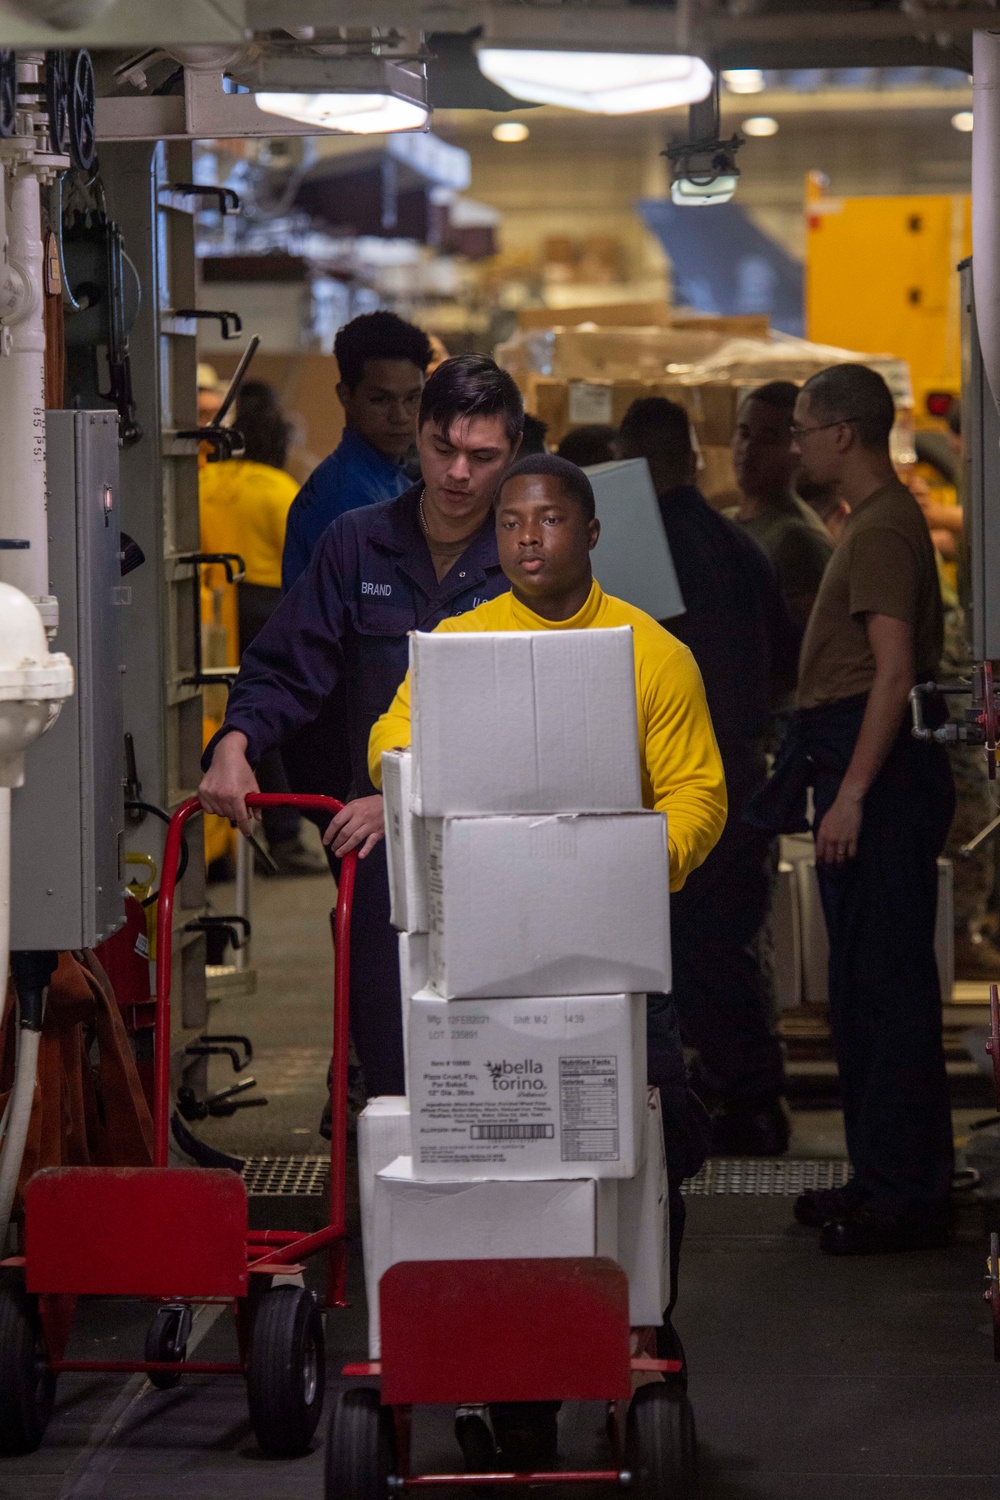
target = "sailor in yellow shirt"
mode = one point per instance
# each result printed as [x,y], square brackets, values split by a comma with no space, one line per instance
[546,530]
[544,538]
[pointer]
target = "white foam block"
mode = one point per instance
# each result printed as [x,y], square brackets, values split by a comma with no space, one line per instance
[417,1220]
[524,721]
[644,1225]
[383,1134]
[404,836]
[548,905]
[531,1089]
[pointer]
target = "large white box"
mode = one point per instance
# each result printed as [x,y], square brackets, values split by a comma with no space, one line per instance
[405,847]
[644,1225]
[524,721]
[557,905]
[484,1221]
[383,1134]
[413,971]
[533,1088]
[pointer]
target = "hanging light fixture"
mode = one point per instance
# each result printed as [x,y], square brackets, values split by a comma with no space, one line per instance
[353,114]
[607,83]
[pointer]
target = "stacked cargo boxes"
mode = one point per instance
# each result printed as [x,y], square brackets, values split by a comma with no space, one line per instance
[531,893]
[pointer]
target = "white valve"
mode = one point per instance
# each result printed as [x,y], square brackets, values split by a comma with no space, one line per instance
[34,682]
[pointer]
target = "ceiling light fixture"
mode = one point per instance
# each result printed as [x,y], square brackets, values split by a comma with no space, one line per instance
[743,80]
[354,114]
[963,121]
[510,132]
[606,83]
[760,125]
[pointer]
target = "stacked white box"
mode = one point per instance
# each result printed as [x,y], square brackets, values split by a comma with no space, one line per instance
[524,722]
[532,893]
[551,905]
[527,1089]
[486,1220]
[383,1134]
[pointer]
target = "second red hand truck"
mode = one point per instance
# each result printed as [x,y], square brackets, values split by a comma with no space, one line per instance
[179,1236]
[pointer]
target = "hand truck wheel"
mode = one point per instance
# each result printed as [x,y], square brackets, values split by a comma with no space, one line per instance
[661,1450]
[360,1447]
[286,1378]
[167,1341]
[27,1384]
[992,1293]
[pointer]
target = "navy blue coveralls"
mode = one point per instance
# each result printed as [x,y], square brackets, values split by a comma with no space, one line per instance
[344,624]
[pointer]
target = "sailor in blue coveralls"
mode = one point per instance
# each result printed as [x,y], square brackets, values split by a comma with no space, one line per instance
[377,573]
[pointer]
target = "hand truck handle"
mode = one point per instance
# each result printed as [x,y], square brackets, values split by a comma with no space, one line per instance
[164,946]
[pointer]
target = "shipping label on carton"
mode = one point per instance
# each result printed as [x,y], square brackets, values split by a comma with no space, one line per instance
[558,905]
[524,722]
[533,1088]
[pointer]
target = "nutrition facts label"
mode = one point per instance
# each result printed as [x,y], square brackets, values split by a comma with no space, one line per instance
[588,1108]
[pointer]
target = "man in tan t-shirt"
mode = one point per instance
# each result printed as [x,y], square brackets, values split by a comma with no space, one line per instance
[883,806]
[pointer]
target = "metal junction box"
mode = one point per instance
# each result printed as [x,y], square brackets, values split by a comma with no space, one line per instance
[66,886]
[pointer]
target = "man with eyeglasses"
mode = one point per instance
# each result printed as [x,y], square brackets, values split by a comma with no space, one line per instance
[883,805]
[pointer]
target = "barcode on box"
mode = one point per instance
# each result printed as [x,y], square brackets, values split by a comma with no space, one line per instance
[512,1132]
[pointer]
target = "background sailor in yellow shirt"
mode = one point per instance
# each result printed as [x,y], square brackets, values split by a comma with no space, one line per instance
[546,530]
[244,504]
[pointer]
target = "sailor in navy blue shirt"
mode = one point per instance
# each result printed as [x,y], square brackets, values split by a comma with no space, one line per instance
[382,361]
[379,572]
[354,474]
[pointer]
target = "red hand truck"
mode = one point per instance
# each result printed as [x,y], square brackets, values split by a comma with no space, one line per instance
[178,1236]
[475,1332]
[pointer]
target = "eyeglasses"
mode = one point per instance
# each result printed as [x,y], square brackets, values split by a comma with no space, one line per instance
[798,433]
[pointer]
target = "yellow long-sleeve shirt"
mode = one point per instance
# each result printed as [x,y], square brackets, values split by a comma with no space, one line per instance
[244,508]
[680,763]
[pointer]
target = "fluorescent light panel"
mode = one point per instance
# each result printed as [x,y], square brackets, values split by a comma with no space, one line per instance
[607,83]
[354,114]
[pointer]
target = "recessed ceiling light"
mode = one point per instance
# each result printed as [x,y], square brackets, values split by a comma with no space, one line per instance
[354,114]
[743,80]
[963,121]
[510,131]
[760,125]
[607,83]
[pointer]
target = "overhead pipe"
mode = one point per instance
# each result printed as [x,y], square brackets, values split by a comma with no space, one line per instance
[62,15]
[986,200]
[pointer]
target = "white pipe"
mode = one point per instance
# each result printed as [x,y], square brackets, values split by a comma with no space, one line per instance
[21,1099]
[986,200]
[23,515]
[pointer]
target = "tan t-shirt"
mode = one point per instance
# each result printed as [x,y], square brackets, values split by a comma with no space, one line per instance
[883,565]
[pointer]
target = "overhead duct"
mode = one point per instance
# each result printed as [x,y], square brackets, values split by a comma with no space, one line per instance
[986,200]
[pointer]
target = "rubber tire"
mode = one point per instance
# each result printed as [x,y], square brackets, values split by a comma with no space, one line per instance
[159,1340]
[286,1378]
[360,1447]
[27,1385]
[661,1449]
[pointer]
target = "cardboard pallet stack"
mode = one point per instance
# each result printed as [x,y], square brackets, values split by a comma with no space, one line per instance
[531,893]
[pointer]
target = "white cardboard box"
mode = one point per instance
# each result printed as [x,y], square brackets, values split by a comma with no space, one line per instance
[413,971]
[484,1221]
[558,905]
[644,1225]
[524,721]
[534,1088]
[383,1134]
[404,836]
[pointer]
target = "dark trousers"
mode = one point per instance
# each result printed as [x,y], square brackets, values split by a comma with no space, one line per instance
[686,1126]
[376,1006]
[720,989]
[255,605]
[885,999]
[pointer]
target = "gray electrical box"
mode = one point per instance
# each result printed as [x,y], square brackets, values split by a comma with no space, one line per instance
[981,475]
[67,819]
